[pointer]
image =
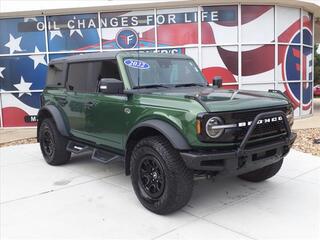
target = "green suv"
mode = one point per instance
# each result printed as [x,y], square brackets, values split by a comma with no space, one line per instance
[157,113]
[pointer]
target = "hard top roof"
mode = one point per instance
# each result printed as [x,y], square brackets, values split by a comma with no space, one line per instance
[113,55]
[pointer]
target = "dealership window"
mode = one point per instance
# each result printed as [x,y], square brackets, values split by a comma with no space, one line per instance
[177,27]
[22,35]
[73,32]
[288,20]
[219,24]
[257,63]
[128,30]
[274,50]
[220,61]
[257,24]
[307,28]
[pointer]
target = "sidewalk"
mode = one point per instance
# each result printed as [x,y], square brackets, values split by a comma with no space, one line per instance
[90,200]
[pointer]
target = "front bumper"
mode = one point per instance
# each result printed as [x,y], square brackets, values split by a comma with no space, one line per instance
[232,163]
[244,159]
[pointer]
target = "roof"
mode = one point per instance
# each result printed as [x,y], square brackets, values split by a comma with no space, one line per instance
[112,55]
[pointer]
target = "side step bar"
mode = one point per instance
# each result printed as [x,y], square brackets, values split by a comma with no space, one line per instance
[103,156]
[99,155]
[76,147]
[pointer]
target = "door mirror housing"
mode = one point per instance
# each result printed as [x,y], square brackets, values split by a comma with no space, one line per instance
[217,81]
[111,86]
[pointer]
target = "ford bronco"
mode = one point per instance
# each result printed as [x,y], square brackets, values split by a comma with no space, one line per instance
[158,114]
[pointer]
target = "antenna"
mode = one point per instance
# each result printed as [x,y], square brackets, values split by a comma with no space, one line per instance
[138,59]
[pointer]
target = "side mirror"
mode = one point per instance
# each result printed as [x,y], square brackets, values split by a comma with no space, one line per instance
[111,86]
[217,81]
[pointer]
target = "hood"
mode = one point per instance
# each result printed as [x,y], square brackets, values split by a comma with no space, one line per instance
[219,100]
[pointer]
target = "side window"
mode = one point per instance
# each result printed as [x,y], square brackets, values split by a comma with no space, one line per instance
[77,77]
[56,77]
[99,70]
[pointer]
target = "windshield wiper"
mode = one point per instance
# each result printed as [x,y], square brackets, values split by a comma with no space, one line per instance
[150,86]
[189,85]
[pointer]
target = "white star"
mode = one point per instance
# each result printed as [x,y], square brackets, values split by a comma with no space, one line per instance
[1,70]
[72,31]
[23,87]
[32,19]
[14,44]
[38,59]
[54,33]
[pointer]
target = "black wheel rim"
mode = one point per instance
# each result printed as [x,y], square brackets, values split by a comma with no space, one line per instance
[151,177]
[48,142]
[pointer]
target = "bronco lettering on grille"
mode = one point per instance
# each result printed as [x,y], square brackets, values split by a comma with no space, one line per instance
[261,121]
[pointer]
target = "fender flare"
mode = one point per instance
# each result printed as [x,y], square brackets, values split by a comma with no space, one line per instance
[167,130]
[57,117]
[177,140]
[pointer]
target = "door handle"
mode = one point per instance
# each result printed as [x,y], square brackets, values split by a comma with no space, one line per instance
[90,104]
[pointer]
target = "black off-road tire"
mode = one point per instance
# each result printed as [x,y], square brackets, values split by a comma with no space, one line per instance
[262,174]
[58,154]
[176,188]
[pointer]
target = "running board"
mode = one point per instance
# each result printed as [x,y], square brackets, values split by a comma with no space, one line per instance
[76,147]
[104,156]
[99,155]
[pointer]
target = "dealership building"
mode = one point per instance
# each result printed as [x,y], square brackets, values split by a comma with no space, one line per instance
[252,45]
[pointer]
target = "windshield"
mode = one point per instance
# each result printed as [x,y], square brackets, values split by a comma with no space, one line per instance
[163,72]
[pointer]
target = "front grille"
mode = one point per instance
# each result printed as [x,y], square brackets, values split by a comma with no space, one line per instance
[263,130]
[236,135]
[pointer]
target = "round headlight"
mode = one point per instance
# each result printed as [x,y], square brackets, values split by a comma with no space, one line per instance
[212,127]
[290,117]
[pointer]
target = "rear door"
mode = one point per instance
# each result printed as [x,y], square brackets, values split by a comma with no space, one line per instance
[76,97]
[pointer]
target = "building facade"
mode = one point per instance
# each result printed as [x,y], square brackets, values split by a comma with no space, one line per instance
[255,47]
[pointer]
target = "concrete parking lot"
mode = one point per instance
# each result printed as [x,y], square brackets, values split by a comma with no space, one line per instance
[90,200]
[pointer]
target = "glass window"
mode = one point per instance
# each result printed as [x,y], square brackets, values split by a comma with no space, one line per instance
[73,32]
[23,73]
[126,30]
[307,69]
[177,27]
[288,25]
[163,71]
[22,35]
[77,77]
[307,28]
[289,60]
[220,61]
[257,24]
[99,70]
[307,92]
[258,63]
[219,24]
[20,109]
[56,76]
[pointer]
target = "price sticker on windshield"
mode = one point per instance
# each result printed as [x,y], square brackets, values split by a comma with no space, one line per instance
[134,63]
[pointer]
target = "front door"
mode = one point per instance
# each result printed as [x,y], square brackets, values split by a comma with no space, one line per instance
[104,113]
[104,119]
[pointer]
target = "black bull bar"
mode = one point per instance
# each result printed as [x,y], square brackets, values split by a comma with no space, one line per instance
[244,158]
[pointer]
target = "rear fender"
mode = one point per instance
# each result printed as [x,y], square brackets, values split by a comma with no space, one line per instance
[54,113]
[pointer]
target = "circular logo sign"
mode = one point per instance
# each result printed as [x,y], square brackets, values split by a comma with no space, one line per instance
[292,68]
[127,38]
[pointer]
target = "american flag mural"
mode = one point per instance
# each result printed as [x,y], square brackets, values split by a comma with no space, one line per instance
[240,45]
